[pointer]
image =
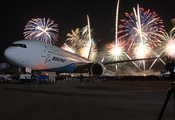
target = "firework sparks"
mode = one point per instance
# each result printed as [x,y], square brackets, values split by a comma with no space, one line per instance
[85,49]
[40,29]
[168,44]
[75,38]
[170,48]
[81,41]
[173,29]
[142,26]
[142,32]
[132,61]
[67,48]
[142,50]
[157,59]
[115,51]
[116,21]
[91,44]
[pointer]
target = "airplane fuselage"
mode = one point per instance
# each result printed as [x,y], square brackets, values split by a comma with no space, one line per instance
[38,55]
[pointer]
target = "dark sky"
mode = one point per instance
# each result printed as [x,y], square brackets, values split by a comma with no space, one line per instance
[71,14]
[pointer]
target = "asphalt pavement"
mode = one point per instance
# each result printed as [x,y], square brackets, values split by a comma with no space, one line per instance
[90,100]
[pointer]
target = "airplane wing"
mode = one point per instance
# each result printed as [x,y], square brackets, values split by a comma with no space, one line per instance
[121,61]
[98,69]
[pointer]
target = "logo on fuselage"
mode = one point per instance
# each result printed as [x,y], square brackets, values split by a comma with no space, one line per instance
[48,59]
[58,59]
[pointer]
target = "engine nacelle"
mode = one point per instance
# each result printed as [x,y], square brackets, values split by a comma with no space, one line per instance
[97,69]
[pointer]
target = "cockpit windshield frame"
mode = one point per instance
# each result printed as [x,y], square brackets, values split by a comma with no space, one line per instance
[19,45]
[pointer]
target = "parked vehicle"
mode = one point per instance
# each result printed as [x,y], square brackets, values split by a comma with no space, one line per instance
[28,78]
[5,77]
[46,78]
[25,78]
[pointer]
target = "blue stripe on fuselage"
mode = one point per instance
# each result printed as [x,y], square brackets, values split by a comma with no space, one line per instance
[67,68]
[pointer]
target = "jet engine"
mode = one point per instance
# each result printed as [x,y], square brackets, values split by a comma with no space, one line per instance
[97,69]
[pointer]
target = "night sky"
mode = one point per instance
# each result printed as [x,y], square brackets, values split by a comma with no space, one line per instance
[71,14]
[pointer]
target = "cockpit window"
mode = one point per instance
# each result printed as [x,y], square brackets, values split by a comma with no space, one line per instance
[19,45]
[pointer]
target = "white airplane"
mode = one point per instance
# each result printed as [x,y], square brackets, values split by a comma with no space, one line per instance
[38,55]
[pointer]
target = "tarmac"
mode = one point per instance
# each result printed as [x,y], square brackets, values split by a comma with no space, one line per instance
[90,100]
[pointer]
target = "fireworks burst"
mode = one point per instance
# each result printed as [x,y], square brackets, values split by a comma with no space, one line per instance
[170,48]
[88,46]
[168,44]
[115,51]
[74,38]
[40,29]
[142,50]
[142,32]
[141,26]
[80,40]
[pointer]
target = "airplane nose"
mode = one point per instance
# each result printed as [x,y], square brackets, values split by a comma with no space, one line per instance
[9,54]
